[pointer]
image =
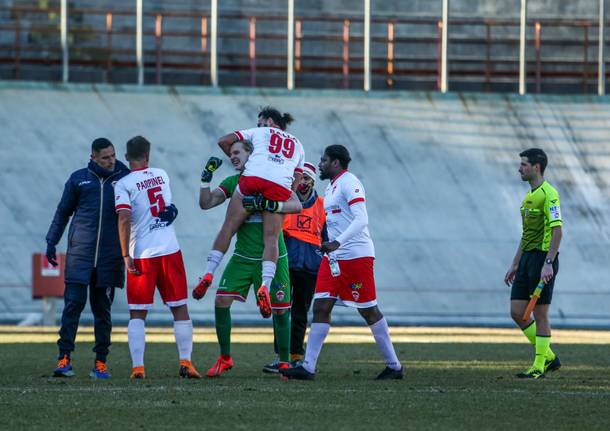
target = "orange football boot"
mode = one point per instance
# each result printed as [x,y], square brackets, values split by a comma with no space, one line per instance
[138,373]
[202,287]
[263,300]
[188,370]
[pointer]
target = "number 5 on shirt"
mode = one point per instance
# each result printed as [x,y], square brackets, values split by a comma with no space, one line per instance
[533,300]
[157,203]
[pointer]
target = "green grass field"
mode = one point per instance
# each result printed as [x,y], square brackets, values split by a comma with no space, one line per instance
[448,385]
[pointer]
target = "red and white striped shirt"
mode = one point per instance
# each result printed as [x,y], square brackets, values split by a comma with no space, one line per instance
[346,217]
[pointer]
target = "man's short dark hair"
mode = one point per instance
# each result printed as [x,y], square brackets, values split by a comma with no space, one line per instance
[536,156]
[99,144]
[282,120]
[338,152]
[138,148]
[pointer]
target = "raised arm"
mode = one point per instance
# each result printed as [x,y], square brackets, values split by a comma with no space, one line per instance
[226,141]
[210,199]
[207,198]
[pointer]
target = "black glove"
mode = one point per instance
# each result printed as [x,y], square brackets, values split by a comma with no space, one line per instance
[51,254]
[211,166]
[169,214]
[257,203]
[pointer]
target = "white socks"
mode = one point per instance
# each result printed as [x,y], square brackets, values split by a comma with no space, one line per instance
[268,272]
[381,333]
[214,258]
[136,336]
[317,335]
[183,331]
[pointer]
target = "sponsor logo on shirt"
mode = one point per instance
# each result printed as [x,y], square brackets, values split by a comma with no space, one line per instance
[303,222]
[333,209]
[158,224]
[82,183]
[276,159]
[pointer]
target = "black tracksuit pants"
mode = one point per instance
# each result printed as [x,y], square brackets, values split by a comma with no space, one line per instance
[75,298]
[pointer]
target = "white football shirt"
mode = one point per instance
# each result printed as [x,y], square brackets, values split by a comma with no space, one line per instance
[276,157]
[146,193]
[344,191]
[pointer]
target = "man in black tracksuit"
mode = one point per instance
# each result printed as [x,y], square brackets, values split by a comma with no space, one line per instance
[93,259]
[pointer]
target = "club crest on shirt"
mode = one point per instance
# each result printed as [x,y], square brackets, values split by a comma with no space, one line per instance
[279,295]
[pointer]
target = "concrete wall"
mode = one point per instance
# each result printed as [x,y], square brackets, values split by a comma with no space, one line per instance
[440,173]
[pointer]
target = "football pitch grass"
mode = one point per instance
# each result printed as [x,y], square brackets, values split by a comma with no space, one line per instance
[456,378]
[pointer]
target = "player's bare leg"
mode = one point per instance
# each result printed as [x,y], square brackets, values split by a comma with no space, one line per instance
[136,337]
[292,205]
[222,313]
[517,308]
[272,224]
[235,216]
[379,327]
[183,332]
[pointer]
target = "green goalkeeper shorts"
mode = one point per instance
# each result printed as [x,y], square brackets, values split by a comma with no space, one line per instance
[241,273]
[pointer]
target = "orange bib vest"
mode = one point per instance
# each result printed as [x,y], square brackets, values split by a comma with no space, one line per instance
[308,224]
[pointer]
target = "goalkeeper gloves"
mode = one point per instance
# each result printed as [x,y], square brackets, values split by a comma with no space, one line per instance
[257,203]
[169,214]
[211,166]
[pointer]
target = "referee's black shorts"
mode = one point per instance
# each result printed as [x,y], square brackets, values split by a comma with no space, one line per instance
[528,276]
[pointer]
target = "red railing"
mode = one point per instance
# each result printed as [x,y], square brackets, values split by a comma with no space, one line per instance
[405,52]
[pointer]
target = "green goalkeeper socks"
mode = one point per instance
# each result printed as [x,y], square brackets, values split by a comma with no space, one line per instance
[281,328]
[530,333]
[223,329]
[542,346]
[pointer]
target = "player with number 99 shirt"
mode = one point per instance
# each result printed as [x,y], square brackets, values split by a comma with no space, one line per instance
[272,172]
